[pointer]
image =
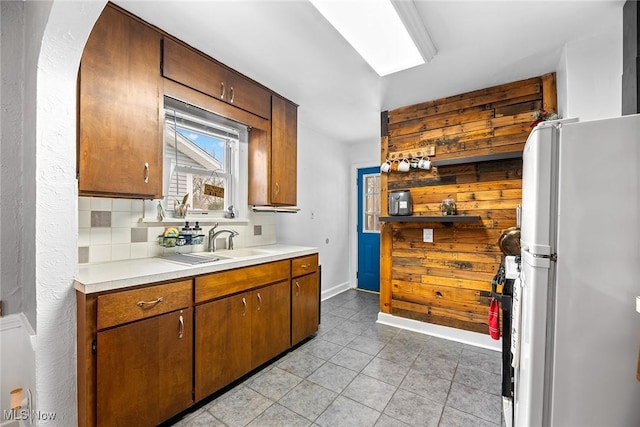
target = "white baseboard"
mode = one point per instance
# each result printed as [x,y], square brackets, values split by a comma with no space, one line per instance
[338,289]
[459,335]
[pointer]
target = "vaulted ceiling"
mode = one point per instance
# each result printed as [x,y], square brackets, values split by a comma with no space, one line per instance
[289,47]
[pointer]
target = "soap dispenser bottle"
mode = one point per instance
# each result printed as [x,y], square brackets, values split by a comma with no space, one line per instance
[187,233]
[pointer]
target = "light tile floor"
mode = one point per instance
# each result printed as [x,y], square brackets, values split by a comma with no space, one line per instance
[355,372]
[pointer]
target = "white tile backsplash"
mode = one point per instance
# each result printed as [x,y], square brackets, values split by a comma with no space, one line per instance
[84,237]
[114,242]
[140,250]
[120,235]
[101,204]
[100,236]
[84,204]
[120,252]
[121,205]
[99,253]
[84,218]
[121,219]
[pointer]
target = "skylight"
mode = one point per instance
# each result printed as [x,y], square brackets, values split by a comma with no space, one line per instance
[375,31]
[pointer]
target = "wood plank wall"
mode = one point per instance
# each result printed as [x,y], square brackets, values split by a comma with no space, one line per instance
[448,282]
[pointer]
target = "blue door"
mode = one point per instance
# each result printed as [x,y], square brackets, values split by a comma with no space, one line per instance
[369,229]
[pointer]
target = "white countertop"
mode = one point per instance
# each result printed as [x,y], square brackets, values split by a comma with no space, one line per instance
[92,278]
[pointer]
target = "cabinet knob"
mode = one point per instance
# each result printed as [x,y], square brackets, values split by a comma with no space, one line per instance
[244,307]
[146,172]
[277,188]
[259,301]
[297,288]
[222,90]
[231,94]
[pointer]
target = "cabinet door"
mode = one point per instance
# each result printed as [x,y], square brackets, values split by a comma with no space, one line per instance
[144,370]
[270,322]
[245,94]
[119,138]
[188,67]
[222,343]
[284,139]
[304,307]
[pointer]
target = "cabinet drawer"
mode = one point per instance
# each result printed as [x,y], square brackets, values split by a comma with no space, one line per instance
[304,265]
[136,304]
[217,285]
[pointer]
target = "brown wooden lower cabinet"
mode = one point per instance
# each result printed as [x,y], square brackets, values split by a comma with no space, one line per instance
[147,353]
[144,370]
[304,307]
[239,333]
[270,322]
[222,343]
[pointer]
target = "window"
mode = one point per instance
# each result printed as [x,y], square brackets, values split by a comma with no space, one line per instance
[371,202]
[201,158]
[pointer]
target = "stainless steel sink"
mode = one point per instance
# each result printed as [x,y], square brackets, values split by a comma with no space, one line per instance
[192,259]
[240,253]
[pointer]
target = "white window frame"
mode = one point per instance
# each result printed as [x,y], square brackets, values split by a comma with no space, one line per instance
[364,195]
[236,159]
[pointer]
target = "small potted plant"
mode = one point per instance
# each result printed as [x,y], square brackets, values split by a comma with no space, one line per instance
[180,208]
[543,116]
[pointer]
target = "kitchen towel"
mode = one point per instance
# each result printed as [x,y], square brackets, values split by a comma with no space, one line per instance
[494,319]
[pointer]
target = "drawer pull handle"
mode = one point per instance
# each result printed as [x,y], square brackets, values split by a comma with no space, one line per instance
[222,90]
[297,288]
[277,188]
[146,172]
[305,266]
[151,303]
[259,301]
[244,306]
[232,94]
[181,329]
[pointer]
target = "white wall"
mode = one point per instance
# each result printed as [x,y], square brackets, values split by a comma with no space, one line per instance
[15,297]
[323,199]
[589,74]
[53,34]
[362,154]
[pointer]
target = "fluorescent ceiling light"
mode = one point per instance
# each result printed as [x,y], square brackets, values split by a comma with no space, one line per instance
[377,33]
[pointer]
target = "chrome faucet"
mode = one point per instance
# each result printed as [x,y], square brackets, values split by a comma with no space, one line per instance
[213,234]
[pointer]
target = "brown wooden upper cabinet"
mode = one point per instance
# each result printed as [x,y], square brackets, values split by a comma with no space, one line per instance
[190,68]
[273,161]
[119,132]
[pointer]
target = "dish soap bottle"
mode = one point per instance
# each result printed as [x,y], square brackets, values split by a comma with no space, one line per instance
[187,233]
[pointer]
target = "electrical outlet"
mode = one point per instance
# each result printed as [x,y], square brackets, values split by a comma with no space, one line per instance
[427,235]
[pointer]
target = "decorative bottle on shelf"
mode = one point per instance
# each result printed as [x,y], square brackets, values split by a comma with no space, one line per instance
[448,207]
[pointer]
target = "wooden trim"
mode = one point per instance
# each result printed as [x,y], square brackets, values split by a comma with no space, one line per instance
[386,246]
[549,95]
[86,362]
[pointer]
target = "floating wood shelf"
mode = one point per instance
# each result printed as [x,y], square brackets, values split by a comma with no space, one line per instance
[431,218]
[475,159]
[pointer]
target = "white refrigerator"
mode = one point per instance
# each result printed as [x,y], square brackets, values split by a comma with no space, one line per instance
[579,332]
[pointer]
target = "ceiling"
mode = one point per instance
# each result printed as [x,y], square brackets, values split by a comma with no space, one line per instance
[289,47]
